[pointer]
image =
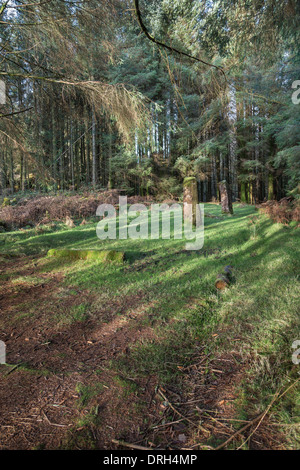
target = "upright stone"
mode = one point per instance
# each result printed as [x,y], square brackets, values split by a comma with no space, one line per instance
[226,198]
[190,201]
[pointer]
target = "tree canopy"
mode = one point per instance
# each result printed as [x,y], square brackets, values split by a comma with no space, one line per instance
[137,95]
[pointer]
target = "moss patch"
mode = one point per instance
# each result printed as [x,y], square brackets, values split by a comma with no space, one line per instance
[111,255]
[189,181]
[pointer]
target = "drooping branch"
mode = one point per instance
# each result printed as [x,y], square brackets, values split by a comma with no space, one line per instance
[166,46]
[16,112]
[126,106]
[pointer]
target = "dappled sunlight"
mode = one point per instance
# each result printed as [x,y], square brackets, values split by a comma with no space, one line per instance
[144,317]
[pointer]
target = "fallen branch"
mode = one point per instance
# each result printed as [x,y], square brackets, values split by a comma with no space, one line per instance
[224,279]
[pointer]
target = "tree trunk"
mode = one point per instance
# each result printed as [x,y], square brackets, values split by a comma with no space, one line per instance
[12,177]
[72,154]
[226,201]
[94,162]
[190,201]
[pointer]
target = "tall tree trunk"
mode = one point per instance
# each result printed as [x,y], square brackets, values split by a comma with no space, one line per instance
[12,177]
[72,153]
[226,197]
[94,161]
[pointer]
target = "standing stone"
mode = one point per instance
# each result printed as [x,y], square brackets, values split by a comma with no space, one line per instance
[191,202]
[226,199]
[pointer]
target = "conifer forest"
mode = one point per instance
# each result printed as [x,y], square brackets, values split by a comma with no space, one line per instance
[149,226]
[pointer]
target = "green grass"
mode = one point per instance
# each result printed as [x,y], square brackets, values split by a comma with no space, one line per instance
[259,312]
[76,313]
[101,255]
[87,392]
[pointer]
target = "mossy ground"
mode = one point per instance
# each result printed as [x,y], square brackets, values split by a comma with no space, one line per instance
[161,308]
[98,255]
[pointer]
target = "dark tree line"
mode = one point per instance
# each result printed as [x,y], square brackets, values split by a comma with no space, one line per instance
[204,90]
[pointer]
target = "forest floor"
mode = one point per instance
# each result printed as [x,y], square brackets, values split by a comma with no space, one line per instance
[149,352]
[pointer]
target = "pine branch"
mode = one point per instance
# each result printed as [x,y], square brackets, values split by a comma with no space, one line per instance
[16,112]
[166,46]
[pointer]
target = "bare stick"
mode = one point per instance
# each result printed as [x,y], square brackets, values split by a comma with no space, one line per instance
[130,446]
[240,431]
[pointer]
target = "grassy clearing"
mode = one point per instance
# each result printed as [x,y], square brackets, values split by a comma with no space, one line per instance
[175,298]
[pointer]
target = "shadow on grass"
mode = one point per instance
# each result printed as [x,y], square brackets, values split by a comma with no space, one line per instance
[171,282]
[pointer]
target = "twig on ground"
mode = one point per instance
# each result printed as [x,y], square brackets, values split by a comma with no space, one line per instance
[54,424]
[258,419]
[168,424]
[180,414]
[130,446]
[253,421]
[276,397]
